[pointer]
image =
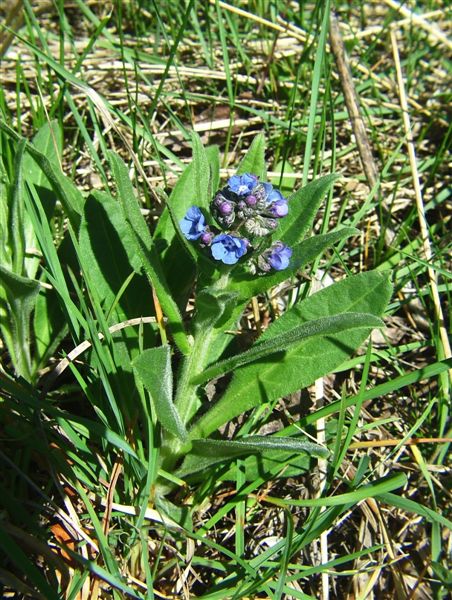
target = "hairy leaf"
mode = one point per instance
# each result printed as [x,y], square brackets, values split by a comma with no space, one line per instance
[303,206]
[248,285]
[17,300]
[283,341]
[254,159]
[304,362]
[153,368]
[262,456]
[106,254]
[146,251]
[256,443]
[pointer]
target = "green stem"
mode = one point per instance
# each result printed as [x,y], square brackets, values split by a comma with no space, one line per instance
[187,401]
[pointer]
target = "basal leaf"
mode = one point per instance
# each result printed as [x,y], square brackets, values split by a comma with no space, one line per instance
[147,252]
[106,253]
[201,173]
[265,464]
[303,363]
[153,368]
[47,141]
[179,256]
[65,190]
[16,233]
[49,324]
[17,300]
[256,443]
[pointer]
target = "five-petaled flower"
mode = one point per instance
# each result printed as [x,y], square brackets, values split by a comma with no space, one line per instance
[242,185]
[193,225]
[276,257]
[228,248]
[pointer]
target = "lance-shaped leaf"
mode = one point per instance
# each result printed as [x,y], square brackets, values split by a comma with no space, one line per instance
[302,363]
[254,159]
[153,368]
[276,452]
[195,187]
[256,443]
[106,251]
[283,341]
[303,206]
[48,141]
[17,300]
[213,308]
[201,173]
[266,465]
[146,251]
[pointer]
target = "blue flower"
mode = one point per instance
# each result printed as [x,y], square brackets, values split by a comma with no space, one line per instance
[242,185]
[278,256]
[193,224]
[228,248]
[276,202]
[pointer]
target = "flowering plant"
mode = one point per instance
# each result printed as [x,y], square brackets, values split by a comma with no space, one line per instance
[247,207]
[213,249]
[222,248]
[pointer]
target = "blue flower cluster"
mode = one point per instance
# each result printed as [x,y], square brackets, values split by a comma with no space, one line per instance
[245,209]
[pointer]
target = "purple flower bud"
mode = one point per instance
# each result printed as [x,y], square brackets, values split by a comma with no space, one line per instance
[228,248]
[251,200]
[226,208]
[207,238]
[280,208]
[193,224]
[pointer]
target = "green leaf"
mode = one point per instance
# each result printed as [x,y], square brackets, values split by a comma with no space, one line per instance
[153,368]
[47,141]
[213,307]
[304,362]
[248,285]
[5,190]
[256,443]
[282,342]
[146,251]
[201,173]
[267,464]
[180,256]
[213,158]
[106,253]
[287,183]
[17,300]
[273,464]
[254,159]
[49,324]
[16,233]
[303,206]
